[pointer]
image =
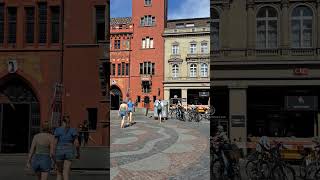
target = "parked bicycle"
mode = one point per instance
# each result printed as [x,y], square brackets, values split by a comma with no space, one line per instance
[310,164]
[224,161]
[269,165]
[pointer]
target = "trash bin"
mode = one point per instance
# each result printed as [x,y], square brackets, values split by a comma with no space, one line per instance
[165,109]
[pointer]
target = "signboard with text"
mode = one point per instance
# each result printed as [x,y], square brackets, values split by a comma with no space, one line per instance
[238,121]
[306,103]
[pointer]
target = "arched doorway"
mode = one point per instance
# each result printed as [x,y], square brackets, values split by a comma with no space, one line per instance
[116,97]
[19,115]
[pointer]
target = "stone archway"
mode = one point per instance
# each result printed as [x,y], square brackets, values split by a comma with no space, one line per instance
[116,97]
[19,115]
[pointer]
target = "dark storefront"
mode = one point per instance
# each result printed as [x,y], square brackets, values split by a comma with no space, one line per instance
[220,101]
[198,97]
[283,111]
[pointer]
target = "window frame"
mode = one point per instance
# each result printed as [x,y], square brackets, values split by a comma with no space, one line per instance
[12,34]
[193,50]
[204,69]
[266,20]
[302,19]
[193,70]
[29,36]
[175,71]
[147,3]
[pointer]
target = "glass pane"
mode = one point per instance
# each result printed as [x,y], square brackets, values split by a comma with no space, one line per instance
[262,12]
[307,11]
[272,12]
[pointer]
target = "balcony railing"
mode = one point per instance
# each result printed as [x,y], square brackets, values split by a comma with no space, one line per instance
[265,52]
[173,56]
[188,78]
[198,55]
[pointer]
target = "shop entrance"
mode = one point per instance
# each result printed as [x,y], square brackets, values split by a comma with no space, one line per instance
[271,114]
[19,115]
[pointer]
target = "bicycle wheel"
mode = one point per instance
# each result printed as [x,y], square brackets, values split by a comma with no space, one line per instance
[317,175]
[217,170]
[283,172]
[311,169]
[251,169]
[303,169]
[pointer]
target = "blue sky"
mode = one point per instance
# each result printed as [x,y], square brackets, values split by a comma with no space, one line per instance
[176,9]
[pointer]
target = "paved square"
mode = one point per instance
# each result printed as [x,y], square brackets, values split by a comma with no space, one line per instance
[149,150]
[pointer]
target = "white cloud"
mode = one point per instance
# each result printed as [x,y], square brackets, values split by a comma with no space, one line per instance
[191,9]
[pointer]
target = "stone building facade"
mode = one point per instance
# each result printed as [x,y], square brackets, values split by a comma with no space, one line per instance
[186,56]
[121,33]
[146,68]
[41,45]
[265,67]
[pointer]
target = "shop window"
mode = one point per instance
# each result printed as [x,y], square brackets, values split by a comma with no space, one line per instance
[138,99]
[154,98]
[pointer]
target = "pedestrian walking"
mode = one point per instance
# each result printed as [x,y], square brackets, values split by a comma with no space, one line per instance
[159,109]
[41,155]
[85,130]
[130,111]
[146,104]
[67,148]
[123,112]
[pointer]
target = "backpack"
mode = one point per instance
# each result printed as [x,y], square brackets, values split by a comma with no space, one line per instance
[159,107]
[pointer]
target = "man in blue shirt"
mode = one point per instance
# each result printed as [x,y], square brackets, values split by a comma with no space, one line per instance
[130,111]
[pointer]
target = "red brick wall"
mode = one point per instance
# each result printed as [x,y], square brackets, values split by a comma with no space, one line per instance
[156,55]
[117,56]
[39,65]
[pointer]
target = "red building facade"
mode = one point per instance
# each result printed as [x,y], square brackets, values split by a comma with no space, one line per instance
[149,19]
[121,32]
[43,43]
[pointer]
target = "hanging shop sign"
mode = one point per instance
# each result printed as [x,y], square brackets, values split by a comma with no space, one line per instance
[306,103]
[238,121]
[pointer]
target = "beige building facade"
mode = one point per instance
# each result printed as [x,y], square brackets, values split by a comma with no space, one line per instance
[265,67]
[187,58]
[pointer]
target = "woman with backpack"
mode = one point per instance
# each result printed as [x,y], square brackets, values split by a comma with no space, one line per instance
[159,109]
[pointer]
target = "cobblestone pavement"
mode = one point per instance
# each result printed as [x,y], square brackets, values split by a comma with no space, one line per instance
[149,150]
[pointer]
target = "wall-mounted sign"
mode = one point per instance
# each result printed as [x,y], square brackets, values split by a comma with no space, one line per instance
[203,94]
[307,103]
[184,99]
[114,82]
[238,121]
[301,71]
[12,66]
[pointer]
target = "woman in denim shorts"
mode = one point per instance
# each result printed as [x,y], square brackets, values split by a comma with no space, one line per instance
[41,153]
[67,148]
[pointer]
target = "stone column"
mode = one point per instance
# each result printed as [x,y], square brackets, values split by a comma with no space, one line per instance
[184,94]
[238,115]
[166,94]
[284,23]
[318,27]
[251,34]
[224,24]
